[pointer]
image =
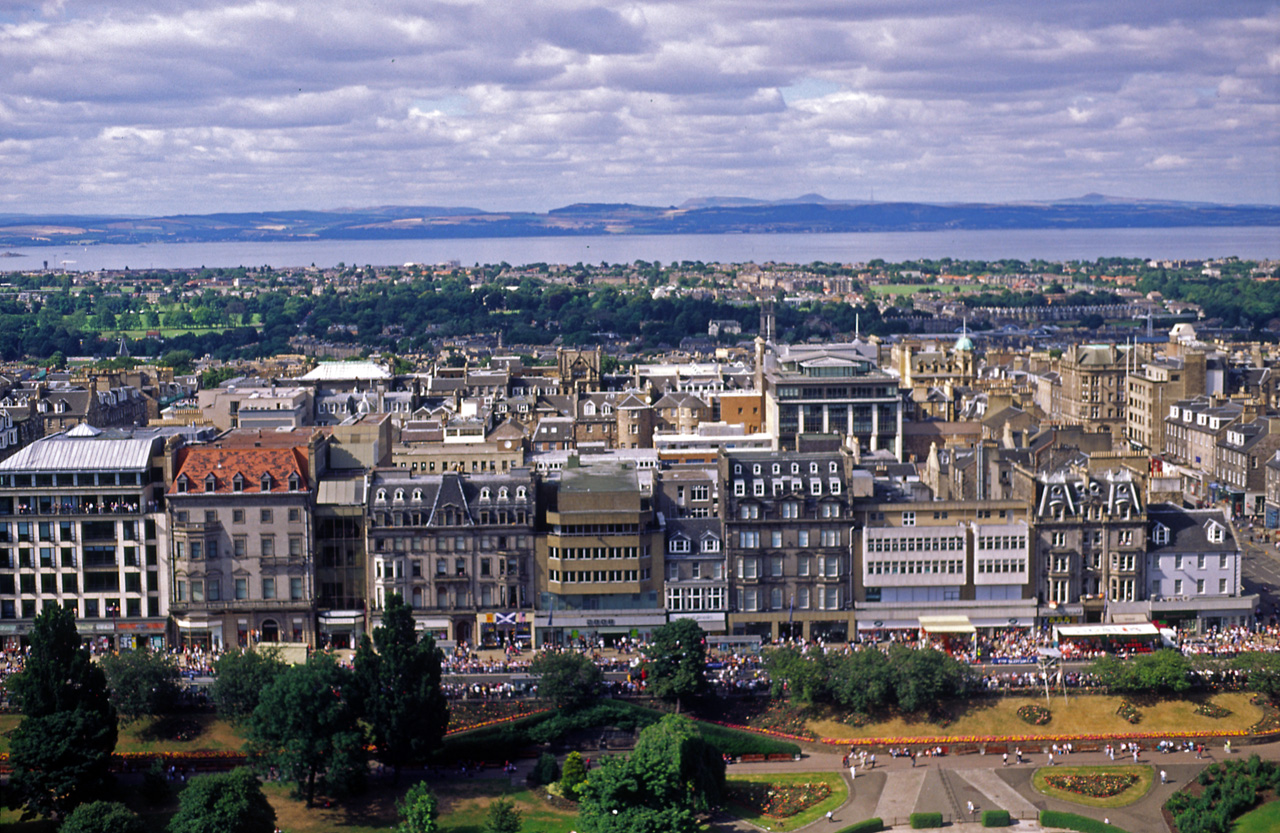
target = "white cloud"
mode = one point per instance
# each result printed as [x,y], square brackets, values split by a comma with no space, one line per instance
[143,106]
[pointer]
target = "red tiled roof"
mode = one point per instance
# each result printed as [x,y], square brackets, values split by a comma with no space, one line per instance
[198,463]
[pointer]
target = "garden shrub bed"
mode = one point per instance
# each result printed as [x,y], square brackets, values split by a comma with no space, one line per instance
[1212,710]
[776,800]
[1101,785]
[1230,789]
[1034,714]
[1129,712]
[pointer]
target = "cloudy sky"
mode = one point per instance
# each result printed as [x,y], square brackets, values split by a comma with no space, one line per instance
[154,106]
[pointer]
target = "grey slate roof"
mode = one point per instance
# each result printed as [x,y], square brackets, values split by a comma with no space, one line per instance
[1188,530]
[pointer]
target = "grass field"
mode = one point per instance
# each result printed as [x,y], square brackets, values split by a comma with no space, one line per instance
[139,736]
[839,793]
[1265,819]
[1146,775]
[1094,714]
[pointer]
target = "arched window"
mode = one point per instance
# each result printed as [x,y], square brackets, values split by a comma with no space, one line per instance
[399,494]
[382,494]
[521,493]
[503,494]
[484,493]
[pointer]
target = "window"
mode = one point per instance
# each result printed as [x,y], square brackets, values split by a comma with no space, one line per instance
[759,488]
[215,589]
[237,483]
[748,568]
[802,538]
[242,588]
[268,546]
[295,546]
[749,599]
[1177,587]
[830,537]
[775,567]
[1059,539]
[210,516]
[1200,585]
[739,488]
[678,544]
[295,515]
[775,538]
[775,598]
[802,566]
[265,516]
[1222,586]
[711,544]
[295,589]
[237,516]
[268,588]
[749,539]
[240,546]
[908,518]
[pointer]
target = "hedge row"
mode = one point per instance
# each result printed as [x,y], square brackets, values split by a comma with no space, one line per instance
[925,821]
[1071,821]
[995,818]
[868,826]
[1230,789]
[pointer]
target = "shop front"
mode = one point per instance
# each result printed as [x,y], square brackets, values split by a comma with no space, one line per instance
[436,628]
[499,630]
[11,636]
[709,622]
[608,627]
[340,629]
[198,634]
[123,634]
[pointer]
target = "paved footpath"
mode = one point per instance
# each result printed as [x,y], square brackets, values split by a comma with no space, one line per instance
[895,789]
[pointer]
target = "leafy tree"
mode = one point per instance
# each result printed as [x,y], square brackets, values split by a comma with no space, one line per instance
[61,751]
[568,679]
[672,777]
[862,681]
[420,810]
[923,678]
[179,360]
[546,770]
[573,775]
[1160,672]
[806,676]
[399,688]
[503,817]
[240,677]
[1262,670]
[224,802]
[677,665]
[102,817]
[306,726]
[141,682]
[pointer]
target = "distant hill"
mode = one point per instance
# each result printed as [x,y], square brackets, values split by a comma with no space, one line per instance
[809,213]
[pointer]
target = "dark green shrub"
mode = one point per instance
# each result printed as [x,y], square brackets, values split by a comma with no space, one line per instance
[925,821]
[546,770]
[733,742]
[868,826]
[155,784]
[1071,821]
[995,818]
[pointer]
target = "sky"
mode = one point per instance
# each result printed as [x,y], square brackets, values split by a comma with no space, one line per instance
[159,107]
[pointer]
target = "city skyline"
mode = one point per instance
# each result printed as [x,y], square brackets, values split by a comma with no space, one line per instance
[138,109]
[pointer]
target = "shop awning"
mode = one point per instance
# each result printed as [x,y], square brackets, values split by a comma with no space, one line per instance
[341,618]
[887,624]
[1074,631]
[947,624]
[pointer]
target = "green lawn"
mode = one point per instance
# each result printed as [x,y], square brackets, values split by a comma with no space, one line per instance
[839,793]
[1146,775]
[1264,819]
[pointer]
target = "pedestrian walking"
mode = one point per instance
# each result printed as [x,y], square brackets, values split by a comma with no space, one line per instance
[830,817]
[1164,777]
[853,772]
[1050,759]
[911,753]
[971,808]
[872,759]
[1006,759]
[1018,753]
[1135,753]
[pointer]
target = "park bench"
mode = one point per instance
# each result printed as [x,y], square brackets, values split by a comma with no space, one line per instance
[753,758]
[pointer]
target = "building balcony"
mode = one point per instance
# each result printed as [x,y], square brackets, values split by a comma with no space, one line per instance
[236,605]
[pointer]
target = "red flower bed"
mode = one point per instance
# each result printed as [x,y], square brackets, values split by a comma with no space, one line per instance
[777,801]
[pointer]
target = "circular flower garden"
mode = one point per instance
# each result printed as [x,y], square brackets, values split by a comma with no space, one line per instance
[1035,715]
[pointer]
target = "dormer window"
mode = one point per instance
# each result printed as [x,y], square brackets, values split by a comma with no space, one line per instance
[237,483]
[813,468]
[777,469]
[266,483]
[795,468]
[399,494]
[417,495]
[211,483]
[1217,534]
[181,484]
[295,482]
[503,494]
[382,495]
[1160,534]
[521,493]
[485,494]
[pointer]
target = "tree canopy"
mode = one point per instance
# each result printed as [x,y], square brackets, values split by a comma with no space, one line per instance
[397,677]
[671,778]
[1160,672]
[224,802]
[677,665]
[307,727]
[61,751]
[567,679]
[240,677]
[141,682]
[103,817]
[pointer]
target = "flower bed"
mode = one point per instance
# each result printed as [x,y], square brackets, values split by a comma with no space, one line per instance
[1093,786]
[1035,715]
[777,801]
[857,720]
[1129,712]
[469,715]
[1270,721]
[1212,710]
